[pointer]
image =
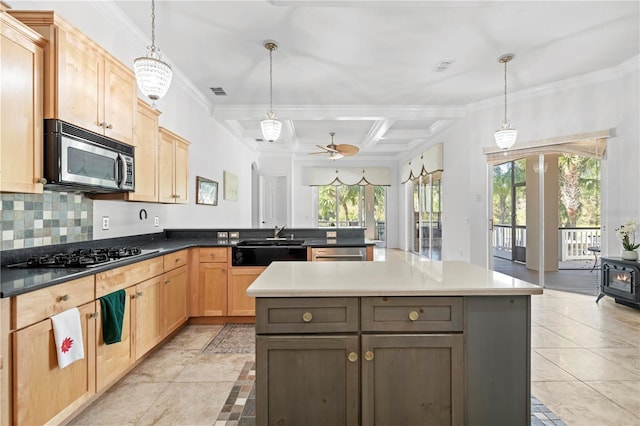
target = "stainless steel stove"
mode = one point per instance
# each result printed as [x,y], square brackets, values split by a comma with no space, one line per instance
[82,258]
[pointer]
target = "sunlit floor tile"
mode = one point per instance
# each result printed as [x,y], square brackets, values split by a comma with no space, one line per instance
[586,365]
[543,370]
[544,338]
[587,337]
[578,404]
[626,394]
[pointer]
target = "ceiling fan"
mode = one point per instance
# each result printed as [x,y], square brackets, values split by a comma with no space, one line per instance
[337,151]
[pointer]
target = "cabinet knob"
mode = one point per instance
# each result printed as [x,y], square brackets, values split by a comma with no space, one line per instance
[368,355]
[413,315]
[64,297]
[102,124]
[177,260]
[167,282]
[307,317]
[353,357]
[93,315]
[109,126]
[41,180]
[139,293]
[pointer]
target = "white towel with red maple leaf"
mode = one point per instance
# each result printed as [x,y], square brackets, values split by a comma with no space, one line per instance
[67,333]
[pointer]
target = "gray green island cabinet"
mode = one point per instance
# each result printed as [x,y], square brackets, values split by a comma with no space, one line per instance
[383,343]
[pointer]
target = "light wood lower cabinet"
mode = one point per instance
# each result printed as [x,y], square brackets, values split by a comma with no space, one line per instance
[147,305]
[240,278]
[115,359]
[43,392]
[175,299]
[212,281]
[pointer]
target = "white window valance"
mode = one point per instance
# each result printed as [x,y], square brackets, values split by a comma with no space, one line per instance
[320,176]
[591,145]
[426,163]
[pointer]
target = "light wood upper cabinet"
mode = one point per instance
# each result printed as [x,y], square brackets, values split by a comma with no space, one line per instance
[85,85]
[21,110]
[146,160]
[173,164]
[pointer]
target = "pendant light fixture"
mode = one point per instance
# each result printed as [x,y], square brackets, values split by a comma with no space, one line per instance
[270,125]
[152,73]
[506,136]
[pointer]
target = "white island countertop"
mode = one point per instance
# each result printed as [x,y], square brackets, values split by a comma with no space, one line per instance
[425,278]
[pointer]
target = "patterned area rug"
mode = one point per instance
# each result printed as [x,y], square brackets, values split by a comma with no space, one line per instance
[240,406]
[234,339]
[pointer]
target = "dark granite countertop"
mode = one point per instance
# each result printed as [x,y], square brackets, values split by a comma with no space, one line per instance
[15,281]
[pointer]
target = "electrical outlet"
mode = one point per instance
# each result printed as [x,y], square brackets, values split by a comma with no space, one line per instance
[105,223]
[332,234]
[156,221]
[223,235]
[234,235]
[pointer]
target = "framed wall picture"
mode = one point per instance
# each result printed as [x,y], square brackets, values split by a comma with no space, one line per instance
[206,191]
[230,186]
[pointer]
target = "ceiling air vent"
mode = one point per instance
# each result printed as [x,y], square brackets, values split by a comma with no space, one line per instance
[442,66]
[218,91]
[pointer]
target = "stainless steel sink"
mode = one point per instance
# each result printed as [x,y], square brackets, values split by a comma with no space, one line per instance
[270,242]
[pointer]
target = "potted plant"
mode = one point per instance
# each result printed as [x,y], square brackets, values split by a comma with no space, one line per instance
[627,235]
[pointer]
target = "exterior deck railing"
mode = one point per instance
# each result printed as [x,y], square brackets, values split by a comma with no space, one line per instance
[573,242]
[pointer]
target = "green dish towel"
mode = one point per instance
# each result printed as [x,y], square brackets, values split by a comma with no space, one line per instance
[112,316]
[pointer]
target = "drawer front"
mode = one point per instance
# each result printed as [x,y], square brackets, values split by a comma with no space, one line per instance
[412,314]
[35,306]
[175,260]
[126,276]
[306,315]
[211,254]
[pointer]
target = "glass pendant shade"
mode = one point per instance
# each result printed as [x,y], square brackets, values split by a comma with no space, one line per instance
[506,137]
[153,76]
[271,127]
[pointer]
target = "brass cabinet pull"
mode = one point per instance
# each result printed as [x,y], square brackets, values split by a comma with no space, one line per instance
[353,357]
[368,355]
[167,282]
[177,260]
[41,180]
[413,315]
[102,124]
[140,293]
[307,317]
[109,126]
[64,297]
[93,315]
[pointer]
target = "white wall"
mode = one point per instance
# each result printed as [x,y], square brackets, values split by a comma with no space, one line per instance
[212,148]
[598,101]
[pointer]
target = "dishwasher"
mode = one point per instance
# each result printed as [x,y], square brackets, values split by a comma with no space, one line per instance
[332,254]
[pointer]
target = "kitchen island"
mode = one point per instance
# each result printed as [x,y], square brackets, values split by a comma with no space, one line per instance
[391,343]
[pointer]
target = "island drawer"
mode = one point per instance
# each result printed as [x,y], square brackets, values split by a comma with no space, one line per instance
[126,276]
[30,308]
[412,314]
[175,260]
[212,254]
[306,315]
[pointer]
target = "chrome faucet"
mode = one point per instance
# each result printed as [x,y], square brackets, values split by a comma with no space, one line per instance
[277,232]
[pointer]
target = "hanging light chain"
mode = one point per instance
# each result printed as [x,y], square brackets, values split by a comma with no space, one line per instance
[153,25]
[270,78]
[505,90]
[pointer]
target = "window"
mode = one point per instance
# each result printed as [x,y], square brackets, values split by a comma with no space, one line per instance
[345,206]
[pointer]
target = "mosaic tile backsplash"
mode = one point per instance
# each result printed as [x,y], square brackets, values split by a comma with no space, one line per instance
[31,220]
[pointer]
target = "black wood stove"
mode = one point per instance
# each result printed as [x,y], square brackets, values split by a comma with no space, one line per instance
[620,279]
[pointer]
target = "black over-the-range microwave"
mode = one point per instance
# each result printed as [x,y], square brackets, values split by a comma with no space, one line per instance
[76,159]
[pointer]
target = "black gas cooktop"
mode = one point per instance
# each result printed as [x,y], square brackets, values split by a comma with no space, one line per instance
[81,258]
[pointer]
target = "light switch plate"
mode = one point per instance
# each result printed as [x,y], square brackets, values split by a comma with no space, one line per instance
[234,235]
[223,235]
[332,234]
[105,223]
[156,221]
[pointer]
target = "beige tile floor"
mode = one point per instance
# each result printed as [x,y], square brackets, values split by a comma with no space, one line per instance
[585,367]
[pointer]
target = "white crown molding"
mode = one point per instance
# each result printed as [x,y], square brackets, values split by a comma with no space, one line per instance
[570,83]
[125,25]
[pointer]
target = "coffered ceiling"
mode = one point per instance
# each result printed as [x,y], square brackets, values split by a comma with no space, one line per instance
[368,70]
